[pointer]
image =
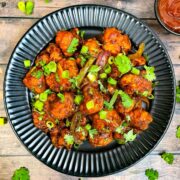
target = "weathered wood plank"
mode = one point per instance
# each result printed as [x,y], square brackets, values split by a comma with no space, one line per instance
[38,171]
[8,8]
[10,35]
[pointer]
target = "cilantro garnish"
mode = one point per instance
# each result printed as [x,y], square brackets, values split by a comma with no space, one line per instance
[123,63]
[178,132]
[92,132]
[101,86]
[168,157]
[178,94]
[21,174]
[69,139]
[152,174]
[150,75]
[126,100]
[73,45]
[129,136]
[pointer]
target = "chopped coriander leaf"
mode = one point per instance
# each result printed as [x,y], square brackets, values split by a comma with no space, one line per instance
[178,94]
[65,74]
[79,129]
[69,139]
[150,75]
[37,74]
[101,86]
[27,63]
[178,132]
[152,174]
[3,121]
[38,105]
[103,75]
[21,6]
[73,45]
[78,99]
[111,60]
[103,114]
[126,99]
[129,136]
[68,123]
[84,49]
[168,157]
[123,63]
[107,69]
[135,71]
[50,67]
[49,124]
[29,7]
[92,132]
[73,81]
[120,129]
[61,96]
[112,81]
[21,174]
[92,76]
[128,118]
[94,69]
[90,104]
[88,127]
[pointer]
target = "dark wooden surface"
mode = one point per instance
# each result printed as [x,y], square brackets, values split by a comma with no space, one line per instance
[13,24]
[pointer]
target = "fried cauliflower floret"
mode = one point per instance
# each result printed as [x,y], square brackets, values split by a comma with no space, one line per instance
[64,40]
[132,83]
[43,57]
[140,119]
[115,42]
[101,139]
[56,81]
[91,95]
[35,80]
[93,47]
[55,52]
[111,122]
[39,123]
[63,139]
[59,109]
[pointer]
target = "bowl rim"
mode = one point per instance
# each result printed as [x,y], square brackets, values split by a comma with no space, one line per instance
[173,90]
[160,21]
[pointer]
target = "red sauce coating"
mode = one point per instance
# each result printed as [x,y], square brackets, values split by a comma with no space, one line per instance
[169,12]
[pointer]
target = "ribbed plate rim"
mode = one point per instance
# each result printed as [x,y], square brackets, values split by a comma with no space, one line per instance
[173,76]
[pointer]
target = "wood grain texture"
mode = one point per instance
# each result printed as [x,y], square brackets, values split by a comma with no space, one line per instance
[38,171]
[8,8]
[9,27]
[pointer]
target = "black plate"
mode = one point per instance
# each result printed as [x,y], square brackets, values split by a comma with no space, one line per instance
[88,161]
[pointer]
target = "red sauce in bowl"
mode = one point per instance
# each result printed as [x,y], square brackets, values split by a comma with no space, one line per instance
[169,12]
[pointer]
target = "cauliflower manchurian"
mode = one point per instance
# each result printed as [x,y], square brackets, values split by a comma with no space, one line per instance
[83,92]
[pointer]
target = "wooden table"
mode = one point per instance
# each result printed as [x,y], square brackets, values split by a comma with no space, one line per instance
[13,24]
